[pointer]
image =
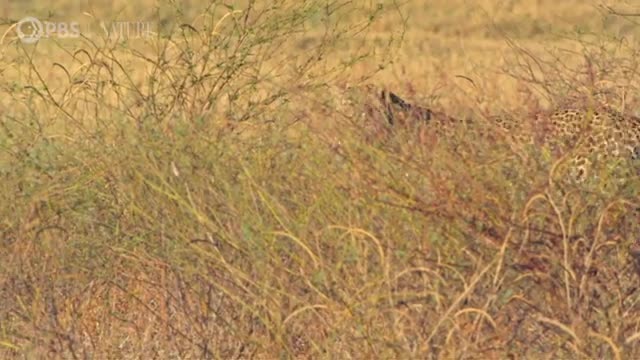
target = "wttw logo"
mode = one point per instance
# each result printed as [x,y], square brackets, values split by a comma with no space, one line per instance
[30,30]
[127,29]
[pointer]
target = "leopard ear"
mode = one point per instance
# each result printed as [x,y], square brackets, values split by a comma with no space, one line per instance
[386,105]
[426,114]
[383,96]
[397,100]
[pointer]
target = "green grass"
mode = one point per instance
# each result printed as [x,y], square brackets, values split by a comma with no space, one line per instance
[211,193]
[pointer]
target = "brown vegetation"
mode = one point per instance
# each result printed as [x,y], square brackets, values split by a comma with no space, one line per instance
[229,187]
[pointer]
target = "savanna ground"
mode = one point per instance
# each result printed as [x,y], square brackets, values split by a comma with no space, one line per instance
[212,191]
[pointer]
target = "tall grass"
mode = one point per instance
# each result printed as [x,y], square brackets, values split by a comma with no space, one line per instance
[214,191]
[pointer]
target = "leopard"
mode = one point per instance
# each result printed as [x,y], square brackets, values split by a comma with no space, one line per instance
[592,136]
[379,103]
[589,135]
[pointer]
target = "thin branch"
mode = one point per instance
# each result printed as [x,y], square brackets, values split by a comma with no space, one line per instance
[613,11]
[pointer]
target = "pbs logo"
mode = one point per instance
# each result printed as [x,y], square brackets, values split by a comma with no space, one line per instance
[30,29]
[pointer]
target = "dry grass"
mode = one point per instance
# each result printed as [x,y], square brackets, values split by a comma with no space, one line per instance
[208,192]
